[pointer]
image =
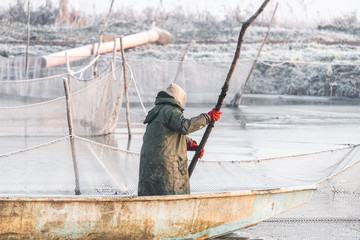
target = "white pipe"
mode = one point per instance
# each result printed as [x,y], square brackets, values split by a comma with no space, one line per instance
[156,35]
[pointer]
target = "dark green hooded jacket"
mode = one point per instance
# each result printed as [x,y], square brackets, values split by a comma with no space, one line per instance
[163,160]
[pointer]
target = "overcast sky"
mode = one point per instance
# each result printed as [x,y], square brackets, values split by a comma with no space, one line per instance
[291,12]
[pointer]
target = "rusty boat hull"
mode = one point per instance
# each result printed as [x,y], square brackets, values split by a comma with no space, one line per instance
[197,216]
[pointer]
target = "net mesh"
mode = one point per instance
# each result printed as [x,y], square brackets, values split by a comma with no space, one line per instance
[13,69]
[104,170]
[72,165]
[36,107]
[200,80]
[49,169]
[332,213]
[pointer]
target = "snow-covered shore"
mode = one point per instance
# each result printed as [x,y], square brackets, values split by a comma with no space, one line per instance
[322,61]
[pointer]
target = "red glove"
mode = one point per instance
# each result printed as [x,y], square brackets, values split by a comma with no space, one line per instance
[192,146]
[215,115]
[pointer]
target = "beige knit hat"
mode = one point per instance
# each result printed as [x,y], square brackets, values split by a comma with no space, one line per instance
[178,93]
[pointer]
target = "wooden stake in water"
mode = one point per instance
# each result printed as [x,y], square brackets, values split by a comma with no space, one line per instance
[238,96]
[72,136]
[184,56]
[126,91]
[225,87]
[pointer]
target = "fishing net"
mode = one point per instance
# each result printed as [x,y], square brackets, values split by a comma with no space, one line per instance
[74,165]
[12,69]
[334,79]
[33,105]
[52,171]
[201,81]
[332,213]
[48,169]
[70,165]
[37,106]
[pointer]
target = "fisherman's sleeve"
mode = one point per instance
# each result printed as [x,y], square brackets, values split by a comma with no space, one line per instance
[177,122]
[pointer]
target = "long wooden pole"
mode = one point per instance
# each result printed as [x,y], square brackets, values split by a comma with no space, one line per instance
[126,90]
[225,87]
[238,96]
[71,133]
[184,56]
[28,41]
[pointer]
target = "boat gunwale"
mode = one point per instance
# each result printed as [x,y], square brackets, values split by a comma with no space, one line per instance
[156,198]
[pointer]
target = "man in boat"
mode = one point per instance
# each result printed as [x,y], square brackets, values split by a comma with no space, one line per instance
[163,161]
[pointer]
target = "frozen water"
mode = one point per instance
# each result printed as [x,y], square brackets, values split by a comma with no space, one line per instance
[274,126]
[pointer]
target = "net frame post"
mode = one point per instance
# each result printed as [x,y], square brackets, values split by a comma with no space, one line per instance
[72,137]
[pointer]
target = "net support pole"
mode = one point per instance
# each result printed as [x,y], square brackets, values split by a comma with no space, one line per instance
[97,54]
[239,96]
[67,62]
[28,41]
[114,56]
[113,62]
[92,53]
[126,92]
[184,56]
[225,87]
[72,136]
[114,53]
[101,36]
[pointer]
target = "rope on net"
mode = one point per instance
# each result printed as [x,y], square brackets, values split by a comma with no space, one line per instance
[80,78]
[34,147]
[121,168]
[101,77]
[289,220]
[73,74]
[82,70]
[132,79]
[350,147]
[276,63]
